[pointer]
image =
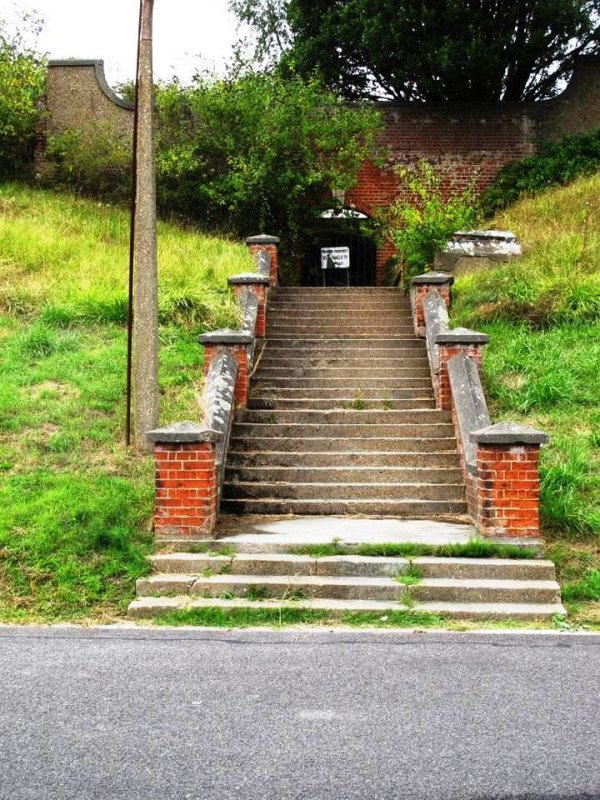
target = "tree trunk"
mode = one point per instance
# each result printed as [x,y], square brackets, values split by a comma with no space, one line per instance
[145,305]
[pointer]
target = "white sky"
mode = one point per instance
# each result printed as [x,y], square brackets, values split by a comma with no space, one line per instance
[188,34]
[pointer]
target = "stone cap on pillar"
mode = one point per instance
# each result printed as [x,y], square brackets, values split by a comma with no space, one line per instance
[185,432]
[509,433]
[262,238]
[432,279]
[226,336]
[248,279]
[461,336]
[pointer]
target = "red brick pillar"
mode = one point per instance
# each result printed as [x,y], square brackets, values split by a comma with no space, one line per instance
[258,285]
[508,480]
[186,482]
[239,345]
[420,286]
[453,343]
[267,244]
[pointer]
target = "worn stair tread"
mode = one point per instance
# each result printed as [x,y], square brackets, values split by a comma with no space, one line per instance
[153,606]
[352,580]
[194,563]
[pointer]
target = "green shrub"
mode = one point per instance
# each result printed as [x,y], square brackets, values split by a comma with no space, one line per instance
[238,156]
[96,164]
[22,74]
[555,164]
[421,223]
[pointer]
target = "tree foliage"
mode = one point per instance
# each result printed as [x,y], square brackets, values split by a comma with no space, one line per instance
[22,76]
[253,153]
[428,49]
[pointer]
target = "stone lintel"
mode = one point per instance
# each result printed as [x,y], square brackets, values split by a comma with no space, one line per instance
[432,279]
[509,433]
[185,432]
[226,336]
[262,238]
[248,279]
[461,336]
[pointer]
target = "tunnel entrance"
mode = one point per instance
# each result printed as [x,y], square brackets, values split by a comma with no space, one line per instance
[345,229]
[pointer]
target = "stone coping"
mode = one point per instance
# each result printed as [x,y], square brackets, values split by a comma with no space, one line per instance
[461,336]
[248,279]
[262,238]
[470,404]
[226,336]
[432,279]
[509,433]
[505,236]
[185,432]
[98,65]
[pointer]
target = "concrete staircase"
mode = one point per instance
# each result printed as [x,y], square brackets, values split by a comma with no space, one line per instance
[342,418]
[342,422]
[459,588]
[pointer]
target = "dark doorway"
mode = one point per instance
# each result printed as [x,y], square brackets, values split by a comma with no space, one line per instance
[357,235]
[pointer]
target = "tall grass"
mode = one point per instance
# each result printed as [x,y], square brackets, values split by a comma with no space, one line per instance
[75,506]
[542,365]
[66,258]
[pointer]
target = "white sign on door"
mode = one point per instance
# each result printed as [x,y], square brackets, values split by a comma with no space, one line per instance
[335,258]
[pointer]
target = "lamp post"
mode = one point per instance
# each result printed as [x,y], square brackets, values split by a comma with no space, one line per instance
[142,367]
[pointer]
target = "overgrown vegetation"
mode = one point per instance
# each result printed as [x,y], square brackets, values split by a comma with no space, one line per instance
[541,366]
[250,153]
[76,507]
[554,164]
[22,80]
[475,548]
[427,211]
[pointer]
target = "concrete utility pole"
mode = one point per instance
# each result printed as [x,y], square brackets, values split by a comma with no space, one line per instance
[145,288]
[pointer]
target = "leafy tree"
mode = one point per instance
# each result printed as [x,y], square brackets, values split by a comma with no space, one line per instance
[258,152]
[428,49]
[22,75]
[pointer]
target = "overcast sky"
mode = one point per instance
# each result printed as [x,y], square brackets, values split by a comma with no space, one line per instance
[188,33]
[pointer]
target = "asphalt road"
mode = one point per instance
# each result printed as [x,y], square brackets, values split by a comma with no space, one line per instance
[186,713]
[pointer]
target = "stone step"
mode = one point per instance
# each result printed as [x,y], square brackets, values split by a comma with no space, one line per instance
[358,490]
[420,370]
[305,360]
[354,385]
[333,393]
[318,310]
[345,444]
[382,588]
[329,474]
[148,607]
[337,430]
[360,329]
[344,417]
[371,459]
[332,506]
[349,344]
[295,291]
[196,564]
[421,401]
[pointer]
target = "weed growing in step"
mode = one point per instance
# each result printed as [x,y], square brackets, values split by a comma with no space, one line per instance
[411,577]
[358,404]
[475,548]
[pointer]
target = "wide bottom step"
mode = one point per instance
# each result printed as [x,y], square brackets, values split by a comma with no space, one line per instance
[148,607]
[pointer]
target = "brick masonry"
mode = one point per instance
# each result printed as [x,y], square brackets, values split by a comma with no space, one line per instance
[241,353]
[186,497]
[508,490]
[271,249]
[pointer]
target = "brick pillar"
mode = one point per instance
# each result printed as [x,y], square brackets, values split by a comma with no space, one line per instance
[453,343]
[239,345]
[258,285]
[420,287]
[186,482]
[508,480]
[267,244]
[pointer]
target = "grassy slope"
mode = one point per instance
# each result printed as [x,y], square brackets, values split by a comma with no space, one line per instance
[543,363]
[75,505]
